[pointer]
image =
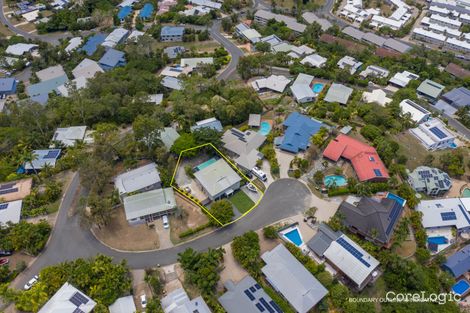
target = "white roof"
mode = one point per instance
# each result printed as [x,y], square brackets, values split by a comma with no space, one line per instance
[287,275]
[445,20]
[358,270]
[217,177]
[178,301]
[87,68]
[137,179]
[302,91]
[402,79]
[314,60]
[376,96]
[77,83]
[10,212]
[69,135]
[429,34]
[20,48]
[176,71]
[135,35]
[432,210]
[303,79]
[149,202]
[418,113]
[426,132]
[207,3]
[50,72]
[115,37]
[31,16]
[302,50]
[387,21]
[194,62]
[251,34]
[60,301]
[459,43]
[442,29]
[123,305]
[274,82]
[126,3]
[74,43]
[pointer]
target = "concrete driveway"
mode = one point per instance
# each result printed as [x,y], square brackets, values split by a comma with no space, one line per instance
[284,159]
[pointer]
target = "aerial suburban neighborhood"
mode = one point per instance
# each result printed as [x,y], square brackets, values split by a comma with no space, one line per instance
[234,156]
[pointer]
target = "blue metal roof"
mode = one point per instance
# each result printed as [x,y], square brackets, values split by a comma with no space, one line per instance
[112,58]
[7,85]
[146,11]
[458,263]
[124,12]
[458,97]
[92,44]
[39,92]
[172,31]
[299,130]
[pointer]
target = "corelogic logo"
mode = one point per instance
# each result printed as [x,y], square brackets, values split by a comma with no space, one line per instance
[397,297]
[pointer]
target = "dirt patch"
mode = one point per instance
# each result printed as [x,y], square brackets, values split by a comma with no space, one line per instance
[17,258]
[232,270]
[120,235]
[191,217]
[140,287]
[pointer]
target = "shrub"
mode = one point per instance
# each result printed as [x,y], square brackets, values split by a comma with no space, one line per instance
[270,232]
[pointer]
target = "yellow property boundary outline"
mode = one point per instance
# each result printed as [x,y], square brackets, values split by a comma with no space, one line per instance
[184,194]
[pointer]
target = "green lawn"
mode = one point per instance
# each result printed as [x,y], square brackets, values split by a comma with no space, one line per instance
[241,201]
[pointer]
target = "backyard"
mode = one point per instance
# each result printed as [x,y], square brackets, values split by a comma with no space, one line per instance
[241,201]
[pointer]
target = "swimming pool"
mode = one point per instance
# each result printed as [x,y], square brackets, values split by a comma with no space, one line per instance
[337,180]
[466,193]
[438,240]
[317,88]
[265,128]
[294,237]
[205,164]
[396,198]
[461,287]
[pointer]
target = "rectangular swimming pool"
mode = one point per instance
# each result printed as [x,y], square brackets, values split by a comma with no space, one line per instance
[461,287]
[205,164]
[438,240]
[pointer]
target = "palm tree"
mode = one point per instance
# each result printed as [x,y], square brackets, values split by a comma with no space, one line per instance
[27,156]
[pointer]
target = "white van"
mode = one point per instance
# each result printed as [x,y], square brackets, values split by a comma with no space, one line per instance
[166,224]
[259,173]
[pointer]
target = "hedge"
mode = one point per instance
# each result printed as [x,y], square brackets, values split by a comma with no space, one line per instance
[192,231]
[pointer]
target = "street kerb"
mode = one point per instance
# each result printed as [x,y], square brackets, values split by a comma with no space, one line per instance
[183,193]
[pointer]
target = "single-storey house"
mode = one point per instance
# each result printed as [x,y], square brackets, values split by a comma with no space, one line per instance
[68,299]
[92,44]
[244,146]
[116,37]
[74,43]
[218,179]
[430,89]
[458,263]
[50,73]
[111,59]
[168,136]
[21,48]
[291,279]
[212,123]
[374,219]
[402,79]
[87,69]
[140,179]
[445,213]
[349,63]
[173,52]
[299,129]
[434,135]
[276,83]
[417,113]
[123,305]
[172,83]
[376,96]
[8,86]
[40,92]
[68,136]
[301,89]
[10,212]
[457,97]
[314,60]
[429,180]
[171,33]
[195,62]
[364,158]
[15,190]
[247,296]
[338,93]
[42,158]
[148,206]
[178,301]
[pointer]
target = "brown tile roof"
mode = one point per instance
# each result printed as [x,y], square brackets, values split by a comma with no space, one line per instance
[457,71]
[20,189]
[348,44]
[387,53]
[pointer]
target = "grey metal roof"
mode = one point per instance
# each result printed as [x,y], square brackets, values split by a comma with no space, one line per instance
[288,276]
[11,213]
[311,17]
[149,202]
[429,178]
[50,73]
[245,145]
[208,123]
[458,97]
[396,45]
[323,239]
[254,120]
[235,300]
[290,22]
[373,38]
[338,93]
[368,215]
[169,135]
[217,177]
[172,52]
[353,32]
[430,88]
[178,301]
[172,83]
[60,301]
[43,157]
[137,179]
[123,305]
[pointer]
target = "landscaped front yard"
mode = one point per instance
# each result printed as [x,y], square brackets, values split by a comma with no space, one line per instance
[241,201]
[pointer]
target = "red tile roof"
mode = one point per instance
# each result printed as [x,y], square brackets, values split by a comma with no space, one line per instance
[364,158]
[384,52]
[457,71]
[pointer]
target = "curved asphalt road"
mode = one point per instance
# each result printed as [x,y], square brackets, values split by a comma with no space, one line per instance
[234,51]
[69,241]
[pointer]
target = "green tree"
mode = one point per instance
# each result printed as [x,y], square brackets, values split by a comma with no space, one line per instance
[270,232]
[246,251]
[222,210]
[184,142]
[147,130]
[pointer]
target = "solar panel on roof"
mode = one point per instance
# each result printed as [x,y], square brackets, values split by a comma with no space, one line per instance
[439,133]
[257,286]
[252,289]
[448,216]
[260,307]
[77,310]
[7,186]
[266,305]
[78,299]
[441,184]
[394,214]
[465,213]
[275,306]
[249,295]
[7,191]
[3,206]
[358,255]
[52,154]
[377,172]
